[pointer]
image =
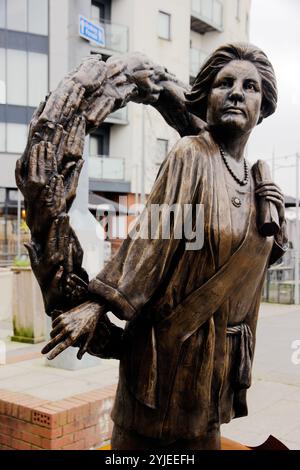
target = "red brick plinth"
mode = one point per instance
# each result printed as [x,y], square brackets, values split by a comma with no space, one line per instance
[79,422]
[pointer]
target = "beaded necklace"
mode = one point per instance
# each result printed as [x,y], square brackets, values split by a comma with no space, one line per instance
[241,182]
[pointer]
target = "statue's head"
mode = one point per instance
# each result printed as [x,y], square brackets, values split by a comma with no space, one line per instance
[235,87]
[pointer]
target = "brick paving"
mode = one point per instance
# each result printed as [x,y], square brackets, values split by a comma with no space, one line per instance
[75,423]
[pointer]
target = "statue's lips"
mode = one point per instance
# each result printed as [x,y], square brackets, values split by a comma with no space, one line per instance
[233,110]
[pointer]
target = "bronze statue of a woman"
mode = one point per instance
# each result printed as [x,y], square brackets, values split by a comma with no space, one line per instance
[187,348]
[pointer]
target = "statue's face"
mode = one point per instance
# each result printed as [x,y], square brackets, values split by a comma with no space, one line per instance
[234,102]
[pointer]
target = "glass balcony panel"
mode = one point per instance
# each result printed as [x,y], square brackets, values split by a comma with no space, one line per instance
[113,169]
[207,15]
[116,36]
[218,14]
[107,168]
[207,9]
[196,6]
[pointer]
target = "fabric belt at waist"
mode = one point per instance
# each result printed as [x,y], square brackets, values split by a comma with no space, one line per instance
[243,354]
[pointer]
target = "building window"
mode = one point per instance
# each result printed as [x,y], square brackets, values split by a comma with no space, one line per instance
[2,77]
[13,137]
[23,77]
[2,195]
[13,195]
[238,10]
[37,67]
[93,150]
[164,25]
[96,12]
[16,15]
[118,227]
[38,17]
[2,137]
[99,141]
[16,137]
[247,24]
[16,77]
[161,150]
[2,13]
[197,59]
[25,15]
[101,9]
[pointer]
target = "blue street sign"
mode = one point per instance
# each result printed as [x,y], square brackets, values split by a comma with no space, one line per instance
[91,31]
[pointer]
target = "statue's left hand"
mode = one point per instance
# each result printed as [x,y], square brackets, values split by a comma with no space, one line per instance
[70,326]
[42,164]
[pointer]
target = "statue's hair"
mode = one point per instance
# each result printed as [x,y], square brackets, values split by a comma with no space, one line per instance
[196,99]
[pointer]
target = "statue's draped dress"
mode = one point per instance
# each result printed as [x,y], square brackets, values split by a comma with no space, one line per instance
[169,389]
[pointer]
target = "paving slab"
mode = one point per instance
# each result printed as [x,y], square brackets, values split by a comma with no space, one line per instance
[274,398]
[36,379]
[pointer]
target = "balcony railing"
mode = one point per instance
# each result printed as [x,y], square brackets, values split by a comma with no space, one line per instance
[115,36]
[206,15]
[197,58]
[106,168]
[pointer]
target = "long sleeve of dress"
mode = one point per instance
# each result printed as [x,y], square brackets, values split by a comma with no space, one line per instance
[131,278]
[280,245]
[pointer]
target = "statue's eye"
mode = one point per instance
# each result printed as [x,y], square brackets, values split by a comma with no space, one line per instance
[225,82]
[251,86]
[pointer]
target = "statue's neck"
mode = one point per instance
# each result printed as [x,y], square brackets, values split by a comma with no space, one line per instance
[234,145]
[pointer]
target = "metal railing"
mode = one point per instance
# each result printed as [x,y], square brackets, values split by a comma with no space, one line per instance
[9,251]
[208,11]
[279,285]
[106,168]
[280,282]
[197,58]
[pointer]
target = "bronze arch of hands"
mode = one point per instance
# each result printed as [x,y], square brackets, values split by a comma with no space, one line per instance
[48,172]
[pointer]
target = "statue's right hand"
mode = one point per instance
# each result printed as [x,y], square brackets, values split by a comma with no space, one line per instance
[70,326]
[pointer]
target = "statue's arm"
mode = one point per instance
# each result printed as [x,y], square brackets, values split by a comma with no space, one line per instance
[130,280]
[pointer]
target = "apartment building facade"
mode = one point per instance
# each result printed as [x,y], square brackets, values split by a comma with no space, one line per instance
[41,40]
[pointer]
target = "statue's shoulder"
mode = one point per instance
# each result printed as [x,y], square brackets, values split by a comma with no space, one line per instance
[198,146]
